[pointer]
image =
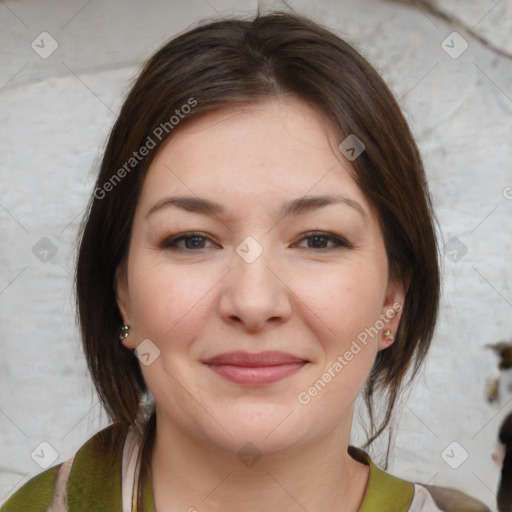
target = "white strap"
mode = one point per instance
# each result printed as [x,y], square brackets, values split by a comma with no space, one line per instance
[60,496]
[130,469]
[129,472]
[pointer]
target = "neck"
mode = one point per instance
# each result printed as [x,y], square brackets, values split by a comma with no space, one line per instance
[191,475]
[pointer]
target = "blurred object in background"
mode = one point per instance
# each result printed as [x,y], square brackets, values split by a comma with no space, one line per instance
[499,389]
[503,457]
[504,351]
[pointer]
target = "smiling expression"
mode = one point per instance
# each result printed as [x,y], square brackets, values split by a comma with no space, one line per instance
[251,236]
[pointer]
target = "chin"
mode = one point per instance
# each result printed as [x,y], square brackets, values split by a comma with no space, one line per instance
[248,440]
[270,428]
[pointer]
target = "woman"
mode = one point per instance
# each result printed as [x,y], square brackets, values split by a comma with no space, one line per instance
[259,249]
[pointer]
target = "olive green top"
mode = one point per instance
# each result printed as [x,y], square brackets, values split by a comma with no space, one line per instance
[94,485]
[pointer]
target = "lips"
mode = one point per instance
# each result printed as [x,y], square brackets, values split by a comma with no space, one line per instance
[269,358]
[255,368]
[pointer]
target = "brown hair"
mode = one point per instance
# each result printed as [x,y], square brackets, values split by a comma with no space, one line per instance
[235,61]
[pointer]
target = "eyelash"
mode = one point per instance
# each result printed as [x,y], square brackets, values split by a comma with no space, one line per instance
[171,243]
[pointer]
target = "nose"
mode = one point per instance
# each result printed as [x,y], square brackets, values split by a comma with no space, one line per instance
[255,294]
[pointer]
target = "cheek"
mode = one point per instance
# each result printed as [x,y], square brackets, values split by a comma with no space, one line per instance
[346,300]
[166,301]
[349,341]
[346,305]
[153,304]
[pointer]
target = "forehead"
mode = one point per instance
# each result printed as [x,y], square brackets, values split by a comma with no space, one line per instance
[253,156]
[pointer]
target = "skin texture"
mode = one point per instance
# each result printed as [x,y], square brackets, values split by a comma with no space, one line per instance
[306,296]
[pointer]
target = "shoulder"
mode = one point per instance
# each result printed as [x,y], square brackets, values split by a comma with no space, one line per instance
[423,501]
[388,493]
[36,495]
[94,478]
[449,499]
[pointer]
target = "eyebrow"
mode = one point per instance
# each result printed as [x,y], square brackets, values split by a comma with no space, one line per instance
[299,206]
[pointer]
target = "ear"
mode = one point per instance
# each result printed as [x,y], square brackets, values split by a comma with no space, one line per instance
[123,298]
[498,456]
[392,311]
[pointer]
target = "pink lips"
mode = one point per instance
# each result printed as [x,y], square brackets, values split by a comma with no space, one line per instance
[255,369]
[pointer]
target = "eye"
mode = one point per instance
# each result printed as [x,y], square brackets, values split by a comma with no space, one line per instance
[192,241]
[196,241]
[320,239]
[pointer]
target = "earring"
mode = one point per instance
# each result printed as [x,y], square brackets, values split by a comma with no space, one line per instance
[123,332]
[388,334]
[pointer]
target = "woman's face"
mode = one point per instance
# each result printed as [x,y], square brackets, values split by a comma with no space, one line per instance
[261,270]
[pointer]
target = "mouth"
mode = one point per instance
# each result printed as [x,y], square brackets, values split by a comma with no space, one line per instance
[256,369]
